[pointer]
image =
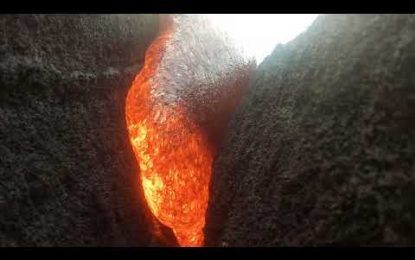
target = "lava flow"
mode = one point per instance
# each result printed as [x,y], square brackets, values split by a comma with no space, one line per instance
[173,153]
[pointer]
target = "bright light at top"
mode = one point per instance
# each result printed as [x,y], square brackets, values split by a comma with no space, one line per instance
[258,34]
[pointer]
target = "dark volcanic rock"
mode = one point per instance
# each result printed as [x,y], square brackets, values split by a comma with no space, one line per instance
[67,172]
[322,148]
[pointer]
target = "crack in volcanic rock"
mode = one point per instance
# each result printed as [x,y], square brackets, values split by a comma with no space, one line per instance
[176,111]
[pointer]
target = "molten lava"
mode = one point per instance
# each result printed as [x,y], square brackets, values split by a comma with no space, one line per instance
[172,151]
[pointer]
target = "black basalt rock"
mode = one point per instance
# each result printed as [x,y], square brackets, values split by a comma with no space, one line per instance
[68,176]
[321,151]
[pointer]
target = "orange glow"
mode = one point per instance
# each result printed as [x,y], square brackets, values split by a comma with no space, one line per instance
[175,161]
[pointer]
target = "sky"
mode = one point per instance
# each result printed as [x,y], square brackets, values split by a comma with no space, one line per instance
[258,34]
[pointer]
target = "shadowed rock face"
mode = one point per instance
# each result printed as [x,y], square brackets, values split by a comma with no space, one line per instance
[67,172]
[321,150]
[203,70]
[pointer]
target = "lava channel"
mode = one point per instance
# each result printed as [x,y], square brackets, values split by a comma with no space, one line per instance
[175,110]
[173,154]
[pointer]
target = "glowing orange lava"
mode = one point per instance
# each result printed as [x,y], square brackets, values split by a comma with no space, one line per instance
[175,161]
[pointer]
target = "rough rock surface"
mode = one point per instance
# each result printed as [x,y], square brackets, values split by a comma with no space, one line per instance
[322,148]
[204,70]
[68,175]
